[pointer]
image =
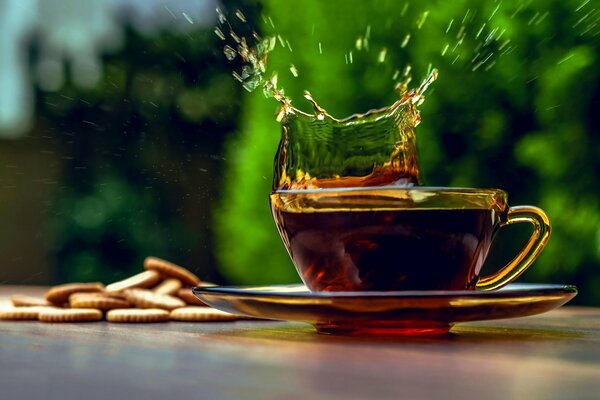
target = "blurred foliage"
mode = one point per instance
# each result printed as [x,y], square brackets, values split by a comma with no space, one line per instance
[525,119]
[140,156]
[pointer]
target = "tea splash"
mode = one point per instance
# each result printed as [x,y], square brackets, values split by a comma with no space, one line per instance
[377,148]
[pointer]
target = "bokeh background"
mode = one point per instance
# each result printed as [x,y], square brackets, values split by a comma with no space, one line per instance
[123,133]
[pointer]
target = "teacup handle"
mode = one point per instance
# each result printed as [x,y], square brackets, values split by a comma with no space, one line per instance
[541,232]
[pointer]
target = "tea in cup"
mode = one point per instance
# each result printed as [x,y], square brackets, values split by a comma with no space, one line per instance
[398,239]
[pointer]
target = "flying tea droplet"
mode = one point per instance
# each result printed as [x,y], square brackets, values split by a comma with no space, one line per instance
[382,54]
[221,16]
[359,44]
[234,36]
[240,15]
[247,71]
[187,18]
[219,33]
[404,8]
[495,11]
[582,5]
[422,19]
[405,41]
[237,77]
[445,49]
[251,84]
[230,53]
[281,42]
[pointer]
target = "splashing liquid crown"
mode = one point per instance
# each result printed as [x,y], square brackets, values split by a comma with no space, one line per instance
[376,148]
[316,150]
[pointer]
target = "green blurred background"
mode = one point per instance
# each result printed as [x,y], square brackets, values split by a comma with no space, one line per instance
[163,153]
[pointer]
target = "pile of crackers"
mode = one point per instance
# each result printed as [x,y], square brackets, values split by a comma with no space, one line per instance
[161,293]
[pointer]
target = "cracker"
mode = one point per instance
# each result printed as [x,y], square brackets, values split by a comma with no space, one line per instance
[22,313]
[168,286]
[144,279]
[143,298]
[60,294]
[201,314]
[171,270]
[21,300]
[133,315]
[190,298]
[70,315]
[100,301]
[114,295]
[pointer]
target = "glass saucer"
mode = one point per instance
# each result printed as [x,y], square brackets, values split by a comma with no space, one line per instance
[386,313]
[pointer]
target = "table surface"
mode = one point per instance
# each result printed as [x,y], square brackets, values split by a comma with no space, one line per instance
[554,355]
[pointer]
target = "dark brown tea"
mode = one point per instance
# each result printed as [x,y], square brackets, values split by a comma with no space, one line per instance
[405,249]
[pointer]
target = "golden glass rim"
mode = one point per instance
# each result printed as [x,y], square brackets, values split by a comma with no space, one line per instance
[389,198]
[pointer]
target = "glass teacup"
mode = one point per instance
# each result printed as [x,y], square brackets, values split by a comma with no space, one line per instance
[346,206]
[393,238]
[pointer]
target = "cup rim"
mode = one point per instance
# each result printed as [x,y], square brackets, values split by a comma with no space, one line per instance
[449,189]
[383,198]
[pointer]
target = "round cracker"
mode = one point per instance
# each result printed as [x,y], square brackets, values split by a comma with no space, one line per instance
[70,315]
[143,298]
[144,279]
[22,313]
[100,301]
[21,300]
[136,315]
[168,286]
[201,314]
[190,298]
[60,294]
[169,269]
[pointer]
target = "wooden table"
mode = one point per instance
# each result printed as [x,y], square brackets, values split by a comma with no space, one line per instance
[551,356]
